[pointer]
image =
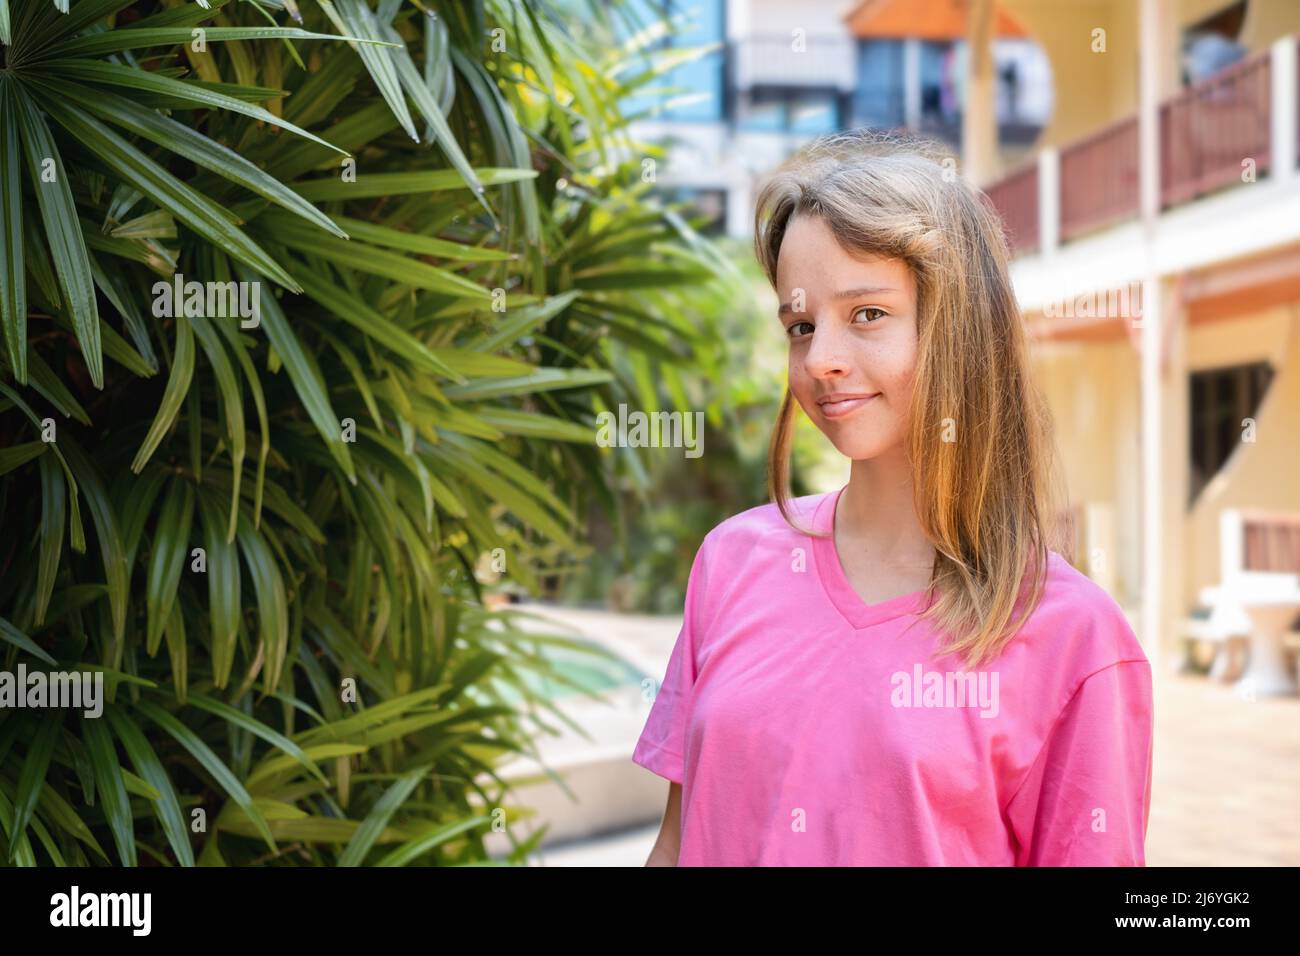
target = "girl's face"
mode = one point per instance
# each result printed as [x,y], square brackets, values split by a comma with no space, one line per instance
[851,324]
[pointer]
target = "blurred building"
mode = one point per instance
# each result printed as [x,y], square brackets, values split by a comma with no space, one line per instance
[1159,216]
[782,72]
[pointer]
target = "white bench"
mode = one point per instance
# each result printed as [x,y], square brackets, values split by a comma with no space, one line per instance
[1252,613]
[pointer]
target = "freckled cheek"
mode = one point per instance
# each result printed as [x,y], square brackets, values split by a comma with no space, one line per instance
[894,370]
[800,381]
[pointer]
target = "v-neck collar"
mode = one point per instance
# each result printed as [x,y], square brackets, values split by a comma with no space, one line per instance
[847,601]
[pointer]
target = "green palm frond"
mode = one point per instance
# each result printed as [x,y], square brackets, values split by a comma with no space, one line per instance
[264,534]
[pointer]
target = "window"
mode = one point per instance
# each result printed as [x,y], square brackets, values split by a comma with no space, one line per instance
[699,83]
[711,204]
[790,110]
[878,100]
[1220,399]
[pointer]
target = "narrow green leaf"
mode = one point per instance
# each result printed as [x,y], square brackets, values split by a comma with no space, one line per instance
[178,653]
[542,380]
[115,41]
[272,602]
[258,729]
[78,535]
[439,834]
[18,639]
[424,101]
[357,255]
[152,225]
[110,787]
[62,230]
[100,73]
[178,386]
[19,455]
[13,282]
[223,588]
[195,210]
[361,316]
[110,541]
[414,242]
[210,762]
[232,405]
[355,17]
[355,852]
[151,770]
[54,501]
[373,185]
[171,539]
[193,145]
[31,779]
[307,381]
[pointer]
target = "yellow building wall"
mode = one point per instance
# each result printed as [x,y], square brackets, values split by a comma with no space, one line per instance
[1092,390]
[1261,474]
[1092,89]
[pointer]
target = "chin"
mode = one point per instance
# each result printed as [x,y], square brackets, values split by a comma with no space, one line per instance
[859,449]
[865,442]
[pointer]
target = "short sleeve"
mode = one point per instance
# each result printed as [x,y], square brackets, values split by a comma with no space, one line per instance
[662,744]
[1087,799]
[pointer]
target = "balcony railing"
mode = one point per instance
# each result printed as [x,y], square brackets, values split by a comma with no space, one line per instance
[1206,133]
[784,61]
[1099,179]
[1271,541]
[1208,130]
[1016,199]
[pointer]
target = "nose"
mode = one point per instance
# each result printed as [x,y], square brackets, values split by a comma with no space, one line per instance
[828,353]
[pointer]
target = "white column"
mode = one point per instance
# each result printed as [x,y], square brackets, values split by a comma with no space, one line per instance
[1152,17]
[912,83]
[1149,22]
[1049,201]
[1284,108]
[1232,550]
[979,123]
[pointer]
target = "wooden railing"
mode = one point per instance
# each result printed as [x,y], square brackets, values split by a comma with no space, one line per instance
[1212,127]
[1209,136]
[1099,179]
[1270,541]
[1015,197]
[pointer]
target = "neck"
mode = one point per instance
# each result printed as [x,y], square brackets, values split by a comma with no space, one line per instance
[877,514]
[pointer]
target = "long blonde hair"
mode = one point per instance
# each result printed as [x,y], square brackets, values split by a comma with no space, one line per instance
[980,446]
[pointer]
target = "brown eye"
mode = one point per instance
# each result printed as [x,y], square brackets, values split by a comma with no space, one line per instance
[880,313]
[791,330]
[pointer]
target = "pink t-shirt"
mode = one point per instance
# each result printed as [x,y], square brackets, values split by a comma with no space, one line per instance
[809,728]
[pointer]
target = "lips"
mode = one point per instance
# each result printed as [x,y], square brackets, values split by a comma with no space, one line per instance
[840,405]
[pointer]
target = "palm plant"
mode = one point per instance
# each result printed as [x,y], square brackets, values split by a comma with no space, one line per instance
[458,265]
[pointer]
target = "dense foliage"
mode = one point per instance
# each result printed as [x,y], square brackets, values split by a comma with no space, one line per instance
[460,262]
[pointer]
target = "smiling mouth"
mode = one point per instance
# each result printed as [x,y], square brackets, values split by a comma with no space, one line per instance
[845,406]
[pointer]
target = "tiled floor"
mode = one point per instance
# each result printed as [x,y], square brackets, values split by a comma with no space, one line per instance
[1226,777]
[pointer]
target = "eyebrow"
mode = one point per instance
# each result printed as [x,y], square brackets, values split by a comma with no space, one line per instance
[844,294]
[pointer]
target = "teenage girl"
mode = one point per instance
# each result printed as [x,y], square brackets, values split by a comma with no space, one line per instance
[901,672]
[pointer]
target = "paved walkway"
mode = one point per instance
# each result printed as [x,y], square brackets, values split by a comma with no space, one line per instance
[1226,777]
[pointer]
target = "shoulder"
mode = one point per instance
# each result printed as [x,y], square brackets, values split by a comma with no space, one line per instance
[1078,624]
[761,524]
[738,553]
